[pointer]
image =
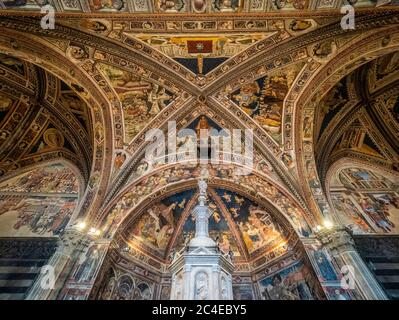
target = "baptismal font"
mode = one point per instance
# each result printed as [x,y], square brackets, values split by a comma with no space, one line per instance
[201,271]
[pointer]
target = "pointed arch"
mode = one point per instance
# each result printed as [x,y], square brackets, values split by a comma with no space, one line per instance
[224,119]
[140,193]
[366,48]
[31,50]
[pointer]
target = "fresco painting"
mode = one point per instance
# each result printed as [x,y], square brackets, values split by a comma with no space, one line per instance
[12,64]
[141,100]
[289,284]
[77,101]
[55,178]
[257,227]
[368,205]
[157,225]
[263,99]
[39,202]
[257,230]
[214,49]
[243,292]
[185,172]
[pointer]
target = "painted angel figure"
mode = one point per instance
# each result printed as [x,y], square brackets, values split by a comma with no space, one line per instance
[158,99]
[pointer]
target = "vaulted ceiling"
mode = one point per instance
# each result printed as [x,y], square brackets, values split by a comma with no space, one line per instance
[358,118]
[89,89]
[42,119]
[182,6]
[240,225]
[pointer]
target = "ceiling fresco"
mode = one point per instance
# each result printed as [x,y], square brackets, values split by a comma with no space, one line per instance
[179,6]
[383,70]
[201,54]
[239,225]
[13,64]
[362,115]
[48,135]
[77,106]
[322,103]
[378,74]
[141,100]
[263,99]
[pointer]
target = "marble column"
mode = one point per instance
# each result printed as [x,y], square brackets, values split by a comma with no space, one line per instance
[70,246]
[339,242]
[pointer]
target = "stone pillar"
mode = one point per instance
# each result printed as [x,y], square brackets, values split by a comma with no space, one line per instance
[187,283]
[173,286]
[70,245]
[215,286]
[230,286]
[201,225]
[339,242]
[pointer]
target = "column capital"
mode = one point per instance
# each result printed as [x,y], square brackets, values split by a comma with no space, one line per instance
[72,239]
[187,268]
[337,239]
[216,269]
